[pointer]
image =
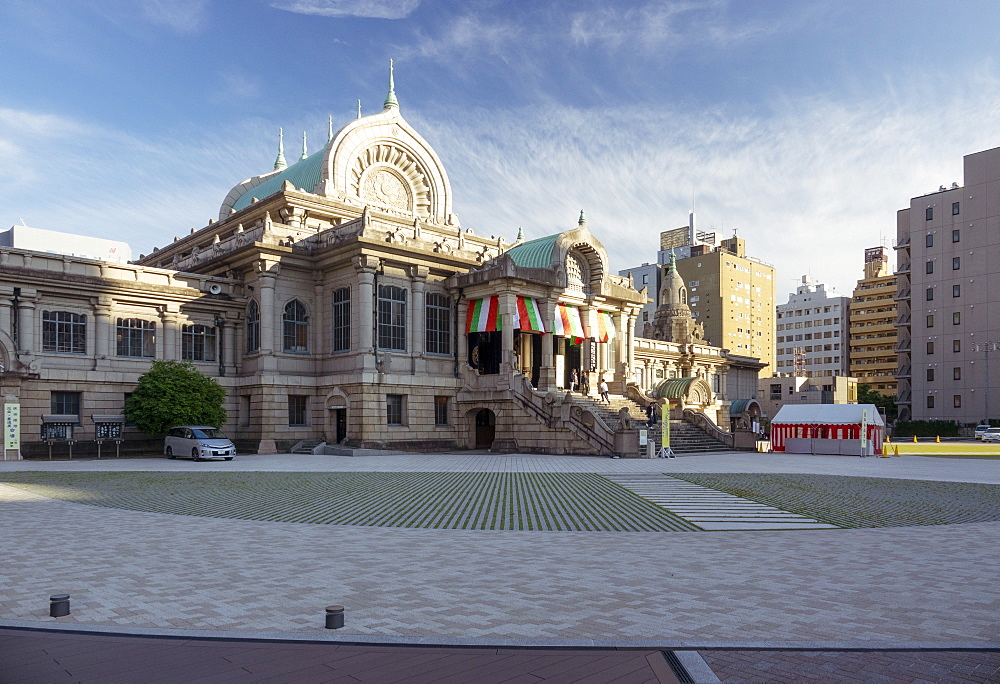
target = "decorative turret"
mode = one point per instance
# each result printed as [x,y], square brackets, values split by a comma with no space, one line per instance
[672,321]
[582,220]
[305,153]
[280,163]
[390,99]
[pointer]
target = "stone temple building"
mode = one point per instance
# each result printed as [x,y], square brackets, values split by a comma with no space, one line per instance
[340,303]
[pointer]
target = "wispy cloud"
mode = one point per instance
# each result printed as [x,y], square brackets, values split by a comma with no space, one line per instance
[372,9]
[809,186]
[181,16]
[463,36]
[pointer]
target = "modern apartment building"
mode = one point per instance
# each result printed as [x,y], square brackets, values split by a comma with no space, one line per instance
[873,325]
[775,392]
[812,333]
[732,296]
[948,268]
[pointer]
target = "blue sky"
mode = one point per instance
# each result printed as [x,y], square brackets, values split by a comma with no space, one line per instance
[802,125]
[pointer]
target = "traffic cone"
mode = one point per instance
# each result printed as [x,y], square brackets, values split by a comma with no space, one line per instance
[914,439]
[895,450]
[938,439]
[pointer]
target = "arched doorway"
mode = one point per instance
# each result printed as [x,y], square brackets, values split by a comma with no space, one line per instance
[486,422]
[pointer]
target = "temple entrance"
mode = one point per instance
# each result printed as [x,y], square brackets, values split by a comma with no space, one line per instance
[486,429]
[536,359]
[340,424]
[485,352]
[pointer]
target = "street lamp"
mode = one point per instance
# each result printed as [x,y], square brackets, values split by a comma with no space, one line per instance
[986,348]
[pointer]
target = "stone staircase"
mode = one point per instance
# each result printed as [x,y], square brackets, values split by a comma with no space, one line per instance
[307,446]
[684,437]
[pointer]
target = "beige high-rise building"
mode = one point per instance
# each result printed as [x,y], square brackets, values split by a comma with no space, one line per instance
[733,297]
[873,324]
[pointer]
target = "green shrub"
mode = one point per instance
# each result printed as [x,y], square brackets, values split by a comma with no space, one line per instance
[174,393]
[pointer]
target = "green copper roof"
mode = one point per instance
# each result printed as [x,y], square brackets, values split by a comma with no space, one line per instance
[739,406]
[304,174]
[535,253]
[675,388]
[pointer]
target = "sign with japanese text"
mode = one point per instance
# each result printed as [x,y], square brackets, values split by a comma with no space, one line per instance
[11,427]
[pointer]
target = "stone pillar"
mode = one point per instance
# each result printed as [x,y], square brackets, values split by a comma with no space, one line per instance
[228,345]
[364,318]
[547,372]
[6,295]
[508,310]
[103,331]
[26,321]
[418,282]
[462,316]
[170,349]
[319,321]
[268,316]
[628,339]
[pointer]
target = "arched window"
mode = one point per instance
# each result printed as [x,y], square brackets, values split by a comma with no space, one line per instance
[296,327]
[253,328]
[438,324]
[391,318]
[341,316]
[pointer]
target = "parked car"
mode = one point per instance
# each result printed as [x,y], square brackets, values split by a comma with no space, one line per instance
[992,435]
[980,429]
[198,442]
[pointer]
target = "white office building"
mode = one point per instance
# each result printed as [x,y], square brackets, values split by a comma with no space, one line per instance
[812,332]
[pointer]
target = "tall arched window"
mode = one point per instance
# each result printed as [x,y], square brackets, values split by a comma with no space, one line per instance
[296,327]
[253,327]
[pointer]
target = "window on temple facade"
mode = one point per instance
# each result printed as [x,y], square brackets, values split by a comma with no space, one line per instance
[341,316]
[295,327]
[198,343]
[253,328]
[391,318]
[136,338]
[438,324]
[64,332]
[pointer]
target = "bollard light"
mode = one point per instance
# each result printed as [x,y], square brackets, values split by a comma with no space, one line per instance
[59,605]
[334,617]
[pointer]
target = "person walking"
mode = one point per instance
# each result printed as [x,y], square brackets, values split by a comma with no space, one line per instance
[603,389]
[651,414]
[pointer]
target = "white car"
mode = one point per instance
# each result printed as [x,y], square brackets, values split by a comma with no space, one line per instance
[980,429]
[198,442]
[992,435]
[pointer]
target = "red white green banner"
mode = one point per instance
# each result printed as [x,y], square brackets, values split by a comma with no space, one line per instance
[484,315]
[605,327]
[529,315]
[568,323]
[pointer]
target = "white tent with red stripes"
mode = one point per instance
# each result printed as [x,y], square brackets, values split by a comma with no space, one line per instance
[828,429]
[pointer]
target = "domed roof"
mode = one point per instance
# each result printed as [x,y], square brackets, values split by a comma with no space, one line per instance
[378,160]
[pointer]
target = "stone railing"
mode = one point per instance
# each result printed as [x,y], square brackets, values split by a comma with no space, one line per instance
[700,420]
[560,411]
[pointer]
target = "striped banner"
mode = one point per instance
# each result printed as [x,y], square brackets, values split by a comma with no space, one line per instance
[484,315]
[605,327]
[568,323]
[529,315]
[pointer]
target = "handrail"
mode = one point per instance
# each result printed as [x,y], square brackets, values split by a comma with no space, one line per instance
[561,411]
[700,420]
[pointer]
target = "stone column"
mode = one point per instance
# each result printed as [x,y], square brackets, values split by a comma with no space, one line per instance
[6,294]
[268,316]
[508,310]
[462,316]
[418,282]
[170,317]
[103,331]
[628,337]
[318,321]
[547,372]
[364,317]
[228,344]
[26,321]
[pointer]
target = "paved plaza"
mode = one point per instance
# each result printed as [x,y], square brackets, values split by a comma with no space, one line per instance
[146,571]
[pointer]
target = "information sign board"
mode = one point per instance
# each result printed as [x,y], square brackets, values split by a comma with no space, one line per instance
[11,427]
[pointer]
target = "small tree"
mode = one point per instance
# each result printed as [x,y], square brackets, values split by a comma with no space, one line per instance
[175,393]
[867,395]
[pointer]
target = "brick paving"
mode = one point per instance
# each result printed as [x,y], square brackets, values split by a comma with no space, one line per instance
[840,667]
[146,571]
[31,657]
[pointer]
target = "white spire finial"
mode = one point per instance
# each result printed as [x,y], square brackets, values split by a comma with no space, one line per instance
[305,152]
[390,99]
[279,162]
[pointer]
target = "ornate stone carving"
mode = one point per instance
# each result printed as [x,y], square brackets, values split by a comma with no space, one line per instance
[388,175]
[384,187]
